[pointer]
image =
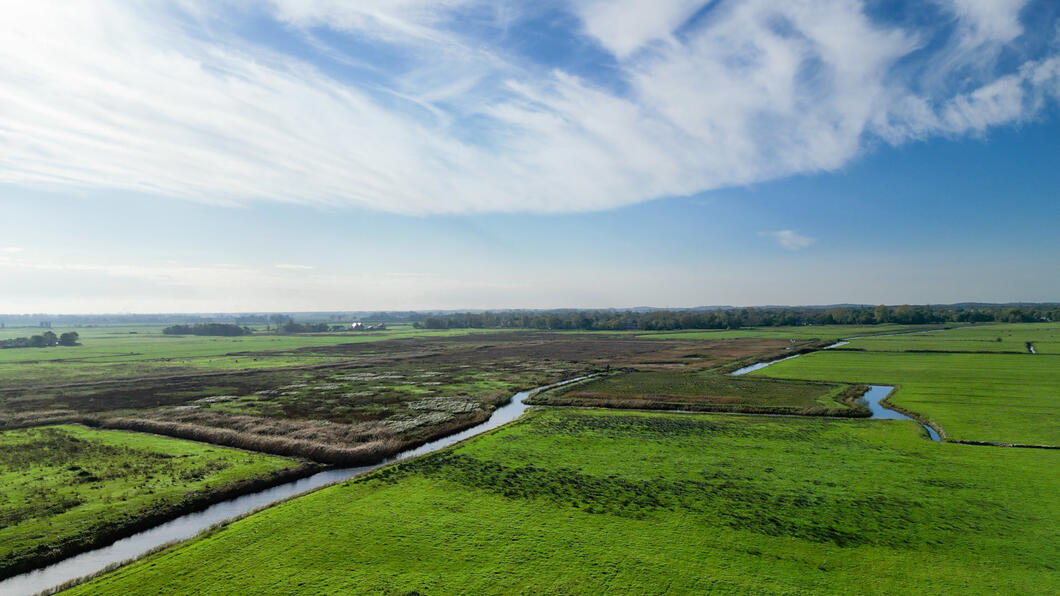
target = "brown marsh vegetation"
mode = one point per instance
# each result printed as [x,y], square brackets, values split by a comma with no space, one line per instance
[363,401]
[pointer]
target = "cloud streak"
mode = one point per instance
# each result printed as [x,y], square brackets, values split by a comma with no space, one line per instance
[790,239]
[422,116]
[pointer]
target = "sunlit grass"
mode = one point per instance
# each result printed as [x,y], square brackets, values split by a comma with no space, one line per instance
[1007,398]
[64,486]
[575,501]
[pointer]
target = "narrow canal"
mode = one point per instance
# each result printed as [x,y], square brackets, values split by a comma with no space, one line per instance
[188,526]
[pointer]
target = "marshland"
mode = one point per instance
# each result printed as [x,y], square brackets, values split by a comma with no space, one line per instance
[430,297]
[657,434]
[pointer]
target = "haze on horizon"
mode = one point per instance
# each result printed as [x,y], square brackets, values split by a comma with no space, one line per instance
[301,155]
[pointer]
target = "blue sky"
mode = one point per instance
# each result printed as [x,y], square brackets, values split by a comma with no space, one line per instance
[325,155]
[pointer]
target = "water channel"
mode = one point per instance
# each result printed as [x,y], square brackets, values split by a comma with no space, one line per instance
[872,399]
[190,525]
[187,526]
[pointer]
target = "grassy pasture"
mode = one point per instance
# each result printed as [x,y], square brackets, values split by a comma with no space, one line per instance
[700,391]
[1004,398]
[832,332]
[64,487]
[1013,338]
[576,501]
[917,343]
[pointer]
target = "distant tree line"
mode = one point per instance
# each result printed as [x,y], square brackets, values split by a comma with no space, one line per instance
[223,329]
[286,324]
[740,317]
[44,340]
[292,327]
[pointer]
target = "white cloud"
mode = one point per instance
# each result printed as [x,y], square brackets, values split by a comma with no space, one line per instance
[289,266]
[1000,101]
[790,239]
[130,96]
[10,250]
[988,20]
[624,26]
[387,18]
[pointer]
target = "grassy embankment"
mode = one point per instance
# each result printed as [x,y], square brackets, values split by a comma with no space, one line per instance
[996,398]
[69,488]
[576,501]
[704,391]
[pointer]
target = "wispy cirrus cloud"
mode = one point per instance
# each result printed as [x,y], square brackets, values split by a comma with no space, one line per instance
[790,239]
[403,107]
[294,267]
[10,250]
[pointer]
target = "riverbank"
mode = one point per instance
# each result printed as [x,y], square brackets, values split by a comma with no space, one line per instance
[187,526]
[69,489]
[647,502]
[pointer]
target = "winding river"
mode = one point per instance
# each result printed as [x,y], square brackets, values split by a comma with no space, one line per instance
[872,399]
[188,526]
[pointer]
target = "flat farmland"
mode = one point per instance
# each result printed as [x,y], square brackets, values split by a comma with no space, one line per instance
[1001,398]
[1045,337]
[68,488]
[828,332]
[579,501]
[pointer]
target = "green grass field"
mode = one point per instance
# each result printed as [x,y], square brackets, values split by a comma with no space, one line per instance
[988,338]
[831,332]
[1005,398]
[111,352]
[577,501]
[701,390]
[65,485]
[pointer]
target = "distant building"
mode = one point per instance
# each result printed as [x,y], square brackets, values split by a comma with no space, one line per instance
[358,326]
[630,325]
[377,327]
[338,328]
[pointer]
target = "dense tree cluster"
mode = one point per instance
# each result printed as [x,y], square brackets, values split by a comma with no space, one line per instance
[44,340]
[735,318]
[223,329]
